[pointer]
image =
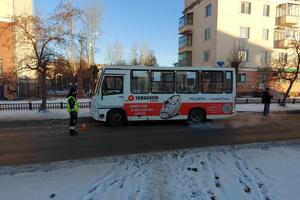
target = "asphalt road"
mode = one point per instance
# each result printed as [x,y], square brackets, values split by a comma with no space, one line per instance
[47,141]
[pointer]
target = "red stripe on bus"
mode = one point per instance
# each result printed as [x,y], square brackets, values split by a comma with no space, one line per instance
[153,109]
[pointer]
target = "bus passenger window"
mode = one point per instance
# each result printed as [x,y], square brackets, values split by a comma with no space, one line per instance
[228,82]
[211,82]
[139,83]
[186,82]
[163,82]
[112,85]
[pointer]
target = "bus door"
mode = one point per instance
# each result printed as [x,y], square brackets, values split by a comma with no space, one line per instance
[112,93]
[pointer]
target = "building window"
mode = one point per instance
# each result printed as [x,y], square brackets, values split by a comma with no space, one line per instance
[1,67]
[283,57]
[206,55]
[245,32]
[266,12]
[266,34]
[244,55]
[207,34]
[262,79]
[265,57]
[245,7]
[208,10]
[242,78]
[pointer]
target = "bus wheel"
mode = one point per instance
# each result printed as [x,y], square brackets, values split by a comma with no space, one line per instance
[116,118]
[196,116]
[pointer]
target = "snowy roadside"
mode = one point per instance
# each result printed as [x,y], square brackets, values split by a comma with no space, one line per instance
[255,171]
[62,114]
[52,100]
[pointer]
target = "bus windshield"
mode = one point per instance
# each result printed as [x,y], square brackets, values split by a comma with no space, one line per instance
[98,82]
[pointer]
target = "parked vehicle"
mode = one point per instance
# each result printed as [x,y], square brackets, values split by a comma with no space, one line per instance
[162,93]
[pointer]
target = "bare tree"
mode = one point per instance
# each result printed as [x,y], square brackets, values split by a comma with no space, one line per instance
[150,59]
[114,54]
[135,57]
[235,58]
[288,68]
[42,37]
[143,55]
[92,14]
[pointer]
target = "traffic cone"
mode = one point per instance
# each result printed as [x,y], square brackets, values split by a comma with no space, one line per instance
[83,127]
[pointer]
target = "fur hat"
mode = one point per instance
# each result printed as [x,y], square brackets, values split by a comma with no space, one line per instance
[72,90]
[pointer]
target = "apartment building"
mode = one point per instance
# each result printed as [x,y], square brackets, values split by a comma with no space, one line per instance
[9,51]
[260,30]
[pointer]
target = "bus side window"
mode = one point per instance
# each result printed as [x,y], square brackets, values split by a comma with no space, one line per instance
[112,85]
[228,82]
[139,83]
[212,82]
[186,82]
[163,82]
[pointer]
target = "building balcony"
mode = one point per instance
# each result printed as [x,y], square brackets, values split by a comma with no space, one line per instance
[288,20]
[185,59]
[187,62]
[284,37]
[186,24]
[282,44]
[185,43]
[185,49]
[186,29]
[287,14]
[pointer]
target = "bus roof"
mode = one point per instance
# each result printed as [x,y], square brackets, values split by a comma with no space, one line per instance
[167,68]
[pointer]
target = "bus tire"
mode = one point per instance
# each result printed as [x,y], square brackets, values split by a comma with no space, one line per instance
[116,118]
[196,116]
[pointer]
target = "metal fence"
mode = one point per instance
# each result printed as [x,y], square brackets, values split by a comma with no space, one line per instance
[61,105]
[36,106]
[258,101]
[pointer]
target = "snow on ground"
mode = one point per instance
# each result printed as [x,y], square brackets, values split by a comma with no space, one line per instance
[256,171]
[62,114]
[37,115]
[260,107]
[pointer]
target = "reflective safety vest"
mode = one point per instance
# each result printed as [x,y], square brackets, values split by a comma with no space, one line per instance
[76,106]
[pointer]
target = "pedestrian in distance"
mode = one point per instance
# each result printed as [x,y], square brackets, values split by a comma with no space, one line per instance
[266,100]
[72,108]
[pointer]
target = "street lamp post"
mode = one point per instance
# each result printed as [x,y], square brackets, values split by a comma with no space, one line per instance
[56,85]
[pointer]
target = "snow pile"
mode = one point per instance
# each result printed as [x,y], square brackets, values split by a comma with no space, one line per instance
[257,171]
[37,115]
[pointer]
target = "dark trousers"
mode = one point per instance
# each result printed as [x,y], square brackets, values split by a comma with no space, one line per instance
[266,109]
[73,120]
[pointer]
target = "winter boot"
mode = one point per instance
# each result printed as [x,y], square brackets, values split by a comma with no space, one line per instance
[73,132]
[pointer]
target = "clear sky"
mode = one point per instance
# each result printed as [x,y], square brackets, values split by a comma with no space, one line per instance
[128,21]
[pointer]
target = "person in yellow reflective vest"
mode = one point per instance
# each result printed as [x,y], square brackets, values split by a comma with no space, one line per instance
[72,108]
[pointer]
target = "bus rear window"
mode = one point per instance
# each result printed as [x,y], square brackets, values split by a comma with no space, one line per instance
[228,82]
